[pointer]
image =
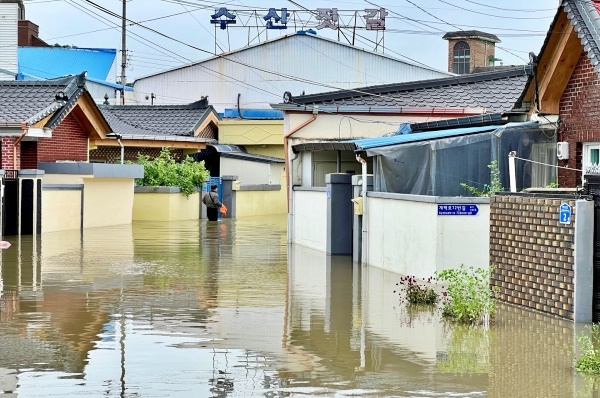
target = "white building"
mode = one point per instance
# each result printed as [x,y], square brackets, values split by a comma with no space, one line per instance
[255,76]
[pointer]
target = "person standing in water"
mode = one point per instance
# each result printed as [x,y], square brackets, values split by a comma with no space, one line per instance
[212,203]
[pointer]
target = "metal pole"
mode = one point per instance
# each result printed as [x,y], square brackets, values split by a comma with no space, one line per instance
[123,50]
[512,171]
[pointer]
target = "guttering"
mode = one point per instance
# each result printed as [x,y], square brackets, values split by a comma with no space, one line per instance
[402,110]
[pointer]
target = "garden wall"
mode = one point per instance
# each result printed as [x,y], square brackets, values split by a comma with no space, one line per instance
[541,263]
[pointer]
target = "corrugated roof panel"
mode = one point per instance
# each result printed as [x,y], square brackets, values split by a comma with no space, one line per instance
[369,143]
[308,57]
[52,62]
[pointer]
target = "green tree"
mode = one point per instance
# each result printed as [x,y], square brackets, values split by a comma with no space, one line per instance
[164,170]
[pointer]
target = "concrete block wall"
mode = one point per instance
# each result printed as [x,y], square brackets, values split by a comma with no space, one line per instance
[534,254]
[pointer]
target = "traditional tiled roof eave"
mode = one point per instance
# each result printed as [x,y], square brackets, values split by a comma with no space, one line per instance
[585,18]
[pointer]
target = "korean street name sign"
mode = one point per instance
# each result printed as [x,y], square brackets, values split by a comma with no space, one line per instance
[457,210]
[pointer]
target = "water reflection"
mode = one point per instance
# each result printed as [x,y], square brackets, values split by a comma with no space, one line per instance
[228,310]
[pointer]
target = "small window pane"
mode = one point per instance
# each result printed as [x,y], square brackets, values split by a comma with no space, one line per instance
[594,156]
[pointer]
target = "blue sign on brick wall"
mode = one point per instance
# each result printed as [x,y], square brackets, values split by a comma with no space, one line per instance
[457,210]
[564,215]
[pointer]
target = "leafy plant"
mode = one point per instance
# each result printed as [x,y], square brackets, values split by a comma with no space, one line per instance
[414,292]
[488,190]
[469,298]
[590,361]
[552,185]
[163,170]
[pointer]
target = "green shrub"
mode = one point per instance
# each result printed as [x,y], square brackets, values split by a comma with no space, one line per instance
[488,190]
[414,292]
[590,361]
[468,298]
[164,171]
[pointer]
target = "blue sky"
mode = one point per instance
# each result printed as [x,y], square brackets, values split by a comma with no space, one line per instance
[413,27]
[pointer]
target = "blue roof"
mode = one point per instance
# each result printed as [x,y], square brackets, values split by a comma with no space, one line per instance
[253,114]
[369,143]
[51,62]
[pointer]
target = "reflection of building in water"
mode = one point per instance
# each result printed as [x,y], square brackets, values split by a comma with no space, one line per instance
[345,323]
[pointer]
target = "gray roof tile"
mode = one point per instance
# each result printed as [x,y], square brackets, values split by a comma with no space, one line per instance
[31,101]
[497,91]
[162,120]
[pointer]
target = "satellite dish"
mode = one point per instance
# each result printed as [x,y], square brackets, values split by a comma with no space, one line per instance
[287,97]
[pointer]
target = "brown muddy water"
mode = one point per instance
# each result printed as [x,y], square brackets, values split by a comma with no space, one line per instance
[197,309]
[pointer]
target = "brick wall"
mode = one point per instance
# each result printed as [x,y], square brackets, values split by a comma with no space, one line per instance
[28,155]
[69,142]
[479,57]
[580,118]
[8,154]
[533,254]
[111,154]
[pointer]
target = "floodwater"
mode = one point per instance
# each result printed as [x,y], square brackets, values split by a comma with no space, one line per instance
[197,309]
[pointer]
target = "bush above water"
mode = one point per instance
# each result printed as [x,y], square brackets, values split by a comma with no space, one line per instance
[164,171]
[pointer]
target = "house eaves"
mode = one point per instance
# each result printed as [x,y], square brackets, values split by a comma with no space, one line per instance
[395,110]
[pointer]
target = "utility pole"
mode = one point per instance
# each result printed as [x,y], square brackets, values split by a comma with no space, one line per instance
[123,50]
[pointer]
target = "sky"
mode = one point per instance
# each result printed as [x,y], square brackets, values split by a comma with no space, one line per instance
[183,32]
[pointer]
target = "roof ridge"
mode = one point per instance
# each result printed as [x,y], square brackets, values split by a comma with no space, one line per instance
[415,85]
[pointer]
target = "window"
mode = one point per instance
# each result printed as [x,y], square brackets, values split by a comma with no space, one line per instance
[591,158]
[462,58]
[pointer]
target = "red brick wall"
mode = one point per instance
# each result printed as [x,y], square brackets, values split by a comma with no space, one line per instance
[7,153]
[481,52]
[580,118]
[69,142]
[28,155]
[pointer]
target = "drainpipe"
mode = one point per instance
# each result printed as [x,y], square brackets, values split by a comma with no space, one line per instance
[288,169]
[285,149]
[364,253]
[25,129]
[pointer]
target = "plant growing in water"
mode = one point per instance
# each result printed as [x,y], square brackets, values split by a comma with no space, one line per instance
[590,361]
[164,171]
[415,292]
[469,299]
[488,190]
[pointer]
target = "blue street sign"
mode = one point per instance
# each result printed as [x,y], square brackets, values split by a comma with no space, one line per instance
[565,214]
[457,210]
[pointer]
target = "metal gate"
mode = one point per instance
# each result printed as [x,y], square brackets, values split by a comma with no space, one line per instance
[593,188]
[10,205]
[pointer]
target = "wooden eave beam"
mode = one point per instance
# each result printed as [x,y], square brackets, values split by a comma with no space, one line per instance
[99,127]
[211,118]
[555,67]
[148,144]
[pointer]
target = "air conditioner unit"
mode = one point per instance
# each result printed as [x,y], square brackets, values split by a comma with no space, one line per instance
[562,150]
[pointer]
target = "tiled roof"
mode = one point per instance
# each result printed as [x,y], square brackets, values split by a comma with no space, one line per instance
[165,120]
[496,91]
[585,18]
[52,62]
[32,101]
[471,34]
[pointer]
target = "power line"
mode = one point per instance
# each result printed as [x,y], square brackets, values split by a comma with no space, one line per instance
[490,15]
[511,9]
[430,14]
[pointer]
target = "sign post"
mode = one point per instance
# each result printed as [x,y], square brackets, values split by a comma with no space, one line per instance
[564,215]
[458,210]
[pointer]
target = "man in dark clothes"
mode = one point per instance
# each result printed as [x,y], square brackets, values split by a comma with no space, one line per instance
[212,203]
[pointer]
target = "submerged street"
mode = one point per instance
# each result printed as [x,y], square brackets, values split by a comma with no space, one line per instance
[197,309]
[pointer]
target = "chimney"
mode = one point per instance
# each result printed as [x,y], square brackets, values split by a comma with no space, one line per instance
[470,49]
[29,35]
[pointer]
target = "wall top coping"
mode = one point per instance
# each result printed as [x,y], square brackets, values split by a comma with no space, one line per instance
[428,199]
[31,173]
[260,187]
[315,189]
[97,170]
[144,189]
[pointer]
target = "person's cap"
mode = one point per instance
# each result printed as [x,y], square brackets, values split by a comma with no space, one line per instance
[213,186]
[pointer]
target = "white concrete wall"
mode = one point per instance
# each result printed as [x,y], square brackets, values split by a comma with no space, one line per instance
[406,236]
[252,173]
[310,218]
